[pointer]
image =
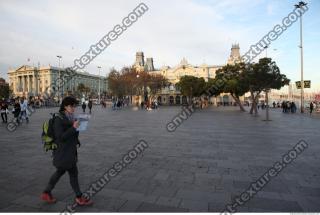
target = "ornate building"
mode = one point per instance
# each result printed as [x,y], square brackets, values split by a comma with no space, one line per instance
[170,95]
[235,56]
[33,81]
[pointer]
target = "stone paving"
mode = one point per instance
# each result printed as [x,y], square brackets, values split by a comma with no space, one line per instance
[210,159]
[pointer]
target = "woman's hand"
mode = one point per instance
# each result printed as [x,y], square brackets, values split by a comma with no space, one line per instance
[76,124]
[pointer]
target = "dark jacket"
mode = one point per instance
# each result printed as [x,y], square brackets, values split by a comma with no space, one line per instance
[66,137]
[17,110]
[90,104]
[4,107]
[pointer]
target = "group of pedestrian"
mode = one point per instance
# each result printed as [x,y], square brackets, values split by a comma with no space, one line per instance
[149,105]
[84,106]
[118,104]
[200,103]
[20,110]
[276,105]
[288,107]
[262,105]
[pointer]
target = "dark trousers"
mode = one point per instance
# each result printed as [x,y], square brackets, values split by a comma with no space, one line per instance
[4,117]
[25,115]
[73,174]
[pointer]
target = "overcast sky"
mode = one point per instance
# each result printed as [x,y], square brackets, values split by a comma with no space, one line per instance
[202,31]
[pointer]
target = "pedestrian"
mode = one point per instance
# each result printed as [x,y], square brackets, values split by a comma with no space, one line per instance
[90,105]
[24,107]
[4,112]
[311,107]
[65,156]
[84,106]
[283,106]
[293,107]
[16,111]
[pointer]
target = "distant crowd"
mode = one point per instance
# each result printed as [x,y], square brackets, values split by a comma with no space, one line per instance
[20,110]
[290,107]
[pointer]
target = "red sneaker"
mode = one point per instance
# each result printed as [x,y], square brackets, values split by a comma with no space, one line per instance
[83,201]
[48,198]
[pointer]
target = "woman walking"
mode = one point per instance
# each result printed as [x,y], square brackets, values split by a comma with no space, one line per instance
[65,156]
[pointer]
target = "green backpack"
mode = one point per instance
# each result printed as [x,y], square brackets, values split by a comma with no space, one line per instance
[47,135]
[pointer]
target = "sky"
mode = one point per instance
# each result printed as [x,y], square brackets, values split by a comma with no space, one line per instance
[202,31]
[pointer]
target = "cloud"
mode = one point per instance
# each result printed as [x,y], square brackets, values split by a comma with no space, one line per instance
[198,30]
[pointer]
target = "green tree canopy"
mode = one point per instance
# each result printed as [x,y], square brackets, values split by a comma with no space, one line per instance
[229,79]
[263,76]
[191,86]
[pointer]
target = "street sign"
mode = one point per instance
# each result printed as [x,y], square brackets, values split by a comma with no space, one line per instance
[307,84]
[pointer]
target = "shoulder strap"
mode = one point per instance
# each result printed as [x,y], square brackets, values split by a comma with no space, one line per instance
[58,115]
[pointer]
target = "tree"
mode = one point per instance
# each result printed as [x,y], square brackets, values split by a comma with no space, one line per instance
[115,83]
[83,89]
[131,82]
[229,79]
[191,86]
[129,79]
[156,83]
[4,91]
[263,76]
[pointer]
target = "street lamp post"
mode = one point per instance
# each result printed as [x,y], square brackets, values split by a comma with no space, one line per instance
[145,92]
[60,83]
[99,67]
[267,93]
[300,5]
[266,48]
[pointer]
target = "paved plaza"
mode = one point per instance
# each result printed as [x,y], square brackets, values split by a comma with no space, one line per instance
[209,160]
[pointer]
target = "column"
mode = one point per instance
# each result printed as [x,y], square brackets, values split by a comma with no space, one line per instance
[19,83]
[27,85]
[34,80]
[14,84]
[30,90]
[23,83]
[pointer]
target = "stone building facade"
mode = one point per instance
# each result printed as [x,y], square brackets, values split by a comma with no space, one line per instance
[33,81]
[170,95]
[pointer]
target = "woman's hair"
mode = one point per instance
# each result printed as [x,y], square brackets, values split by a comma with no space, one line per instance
[66,102]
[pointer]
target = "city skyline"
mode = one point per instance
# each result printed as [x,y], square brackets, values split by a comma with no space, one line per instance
[201,31]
